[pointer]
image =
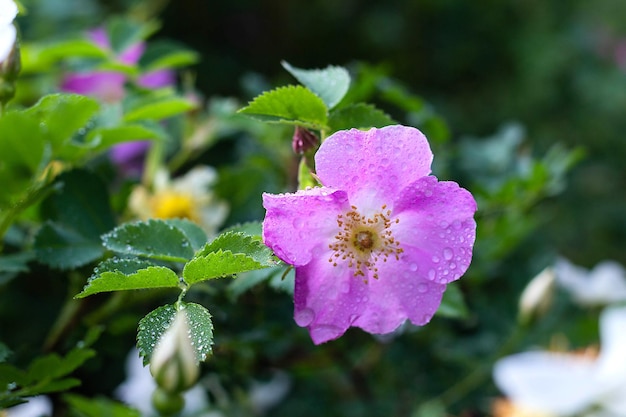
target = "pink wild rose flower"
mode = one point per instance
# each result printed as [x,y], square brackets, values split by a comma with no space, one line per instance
[379,241]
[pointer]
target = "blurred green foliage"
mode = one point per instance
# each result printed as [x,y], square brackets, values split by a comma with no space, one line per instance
[522,101]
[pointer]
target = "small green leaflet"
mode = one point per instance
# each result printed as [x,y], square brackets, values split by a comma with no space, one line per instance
[157,239]
[155,105]
[291,104]
[230,253]
[97,407]
[155,324]
[128,274]
[330,84]
[358,115]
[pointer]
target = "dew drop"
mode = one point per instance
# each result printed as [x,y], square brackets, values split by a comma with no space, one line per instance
[298,223]
[428,193]
[431,274]
[435,259]
[413,267]
[304,317]
[422,288]
[448,254]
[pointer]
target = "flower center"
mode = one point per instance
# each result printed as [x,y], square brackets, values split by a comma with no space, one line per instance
[363,241]
[169,205]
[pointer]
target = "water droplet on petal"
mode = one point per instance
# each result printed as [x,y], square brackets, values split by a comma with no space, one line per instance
[325,332]
[413,267]
[448,254]
[431,274]
[298,222]
[435,259]
[422,288]
[304,317]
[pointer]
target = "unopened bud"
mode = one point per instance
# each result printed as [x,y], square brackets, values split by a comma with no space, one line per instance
[174,364]
[9,50]
[303,140]
[537,296]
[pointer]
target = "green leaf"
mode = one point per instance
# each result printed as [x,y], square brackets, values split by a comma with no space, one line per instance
[155,324]
[155,239]
[453,304]
[102,138]
[330,84]
[60,116]
[123,32]
[9,374]
[65,248]
[79,213]
[81,202]
[148,276]
[230,253]
[290,104]
[97,407]
[53,366]
[195,234]
[166,54]
[238,242]
[358,115]
[22,153]
[72,48]
[155,105]
[16,262]
[253,229]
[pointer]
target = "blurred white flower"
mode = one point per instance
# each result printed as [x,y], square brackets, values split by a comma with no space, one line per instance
[265,395]
[604,284]
[188,197]
[39,406]
[537,295]
[569,384]
[8,11]
[137,390]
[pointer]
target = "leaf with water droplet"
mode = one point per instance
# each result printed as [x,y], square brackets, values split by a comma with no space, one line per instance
[330,84]
[128,274]
[156,239]
[155,324]
[230,253]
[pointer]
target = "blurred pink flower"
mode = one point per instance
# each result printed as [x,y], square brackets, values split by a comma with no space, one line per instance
[379,241]
[109,85]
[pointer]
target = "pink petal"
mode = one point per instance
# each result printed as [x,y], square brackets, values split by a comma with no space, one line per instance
[299,225]
[436,228]
[373,165]
[398,294]
[108,86]
[157,79]
[327,299]
[131,55]
[100,37]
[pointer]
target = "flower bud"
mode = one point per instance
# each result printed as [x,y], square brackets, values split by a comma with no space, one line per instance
[303,140]
[174,364]
[10,64]
[537,296]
